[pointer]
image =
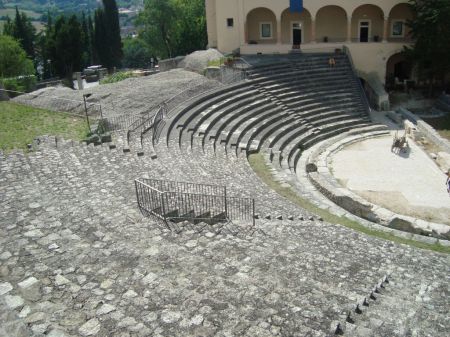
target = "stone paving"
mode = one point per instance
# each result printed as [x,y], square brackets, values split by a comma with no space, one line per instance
[77,258]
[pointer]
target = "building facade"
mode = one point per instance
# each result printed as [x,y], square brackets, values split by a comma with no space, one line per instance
[374,31]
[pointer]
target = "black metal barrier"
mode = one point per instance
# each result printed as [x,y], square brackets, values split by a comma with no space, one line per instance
[173,201]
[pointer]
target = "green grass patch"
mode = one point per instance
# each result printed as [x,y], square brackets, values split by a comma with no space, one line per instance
[216,63]
[260,167]
[20,124]
[117,77]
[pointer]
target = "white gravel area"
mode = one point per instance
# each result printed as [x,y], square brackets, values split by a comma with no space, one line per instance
[198,60]
[410,184]
[131,96]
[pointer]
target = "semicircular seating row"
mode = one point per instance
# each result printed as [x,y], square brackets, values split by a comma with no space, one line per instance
[283,108]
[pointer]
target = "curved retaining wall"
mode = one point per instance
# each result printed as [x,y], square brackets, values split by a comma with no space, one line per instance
[325,182]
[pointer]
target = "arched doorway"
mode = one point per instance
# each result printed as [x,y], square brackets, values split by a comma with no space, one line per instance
[331,24]
[295,27]
[261,26]
[398,69]
[398,17]
[367,24]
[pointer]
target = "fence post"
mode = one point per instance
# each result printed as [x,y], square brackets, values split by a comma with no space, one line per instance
[253,211]
[163,206]
[137,194]
[226,201]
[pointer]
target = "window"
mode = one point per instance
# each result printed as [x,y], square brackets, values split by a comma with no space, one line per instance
[266,30]
[398,28]
[230,22]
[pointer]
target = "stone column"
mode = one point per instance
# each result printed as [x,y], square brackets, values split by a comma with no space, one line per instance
[279,36]
[349,29]
[386,29]
[313,30]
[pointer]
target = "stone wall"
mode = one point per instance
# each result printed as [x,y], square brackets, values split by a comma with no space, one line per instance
[426,129]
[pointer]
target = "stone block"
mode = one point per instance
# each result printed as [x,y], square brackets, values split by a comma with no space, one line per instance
[443,160]
[106,138]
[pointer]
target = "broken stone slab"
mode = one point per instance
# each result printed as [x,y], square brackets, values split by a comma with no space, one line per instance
[14,302]
[5,288]
[30,289]
[90,328]
[105,309]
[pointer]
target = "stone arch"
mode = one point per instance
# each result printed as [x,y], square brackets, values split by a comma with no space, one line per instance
[372,14]
[286,30]
[254,30]
[331,24]
[398,68]
[400,13]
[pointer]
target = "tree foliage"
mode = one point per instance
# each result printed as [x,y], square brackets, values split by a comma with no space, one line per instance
[22,29]
[13,59]
[173,27]
[107,40]
[136,52]
[431,31]
[65,47]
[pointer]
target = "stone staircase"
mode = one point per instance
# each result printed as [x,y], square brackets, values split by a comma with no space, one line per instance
[283,108]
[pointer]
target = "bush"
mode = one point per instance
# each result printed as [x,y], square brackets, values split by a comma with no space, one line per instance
[21,83]
[117,77]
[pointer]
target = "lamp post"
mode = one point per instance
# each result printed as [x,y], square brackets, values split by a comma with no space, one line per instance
[85,110]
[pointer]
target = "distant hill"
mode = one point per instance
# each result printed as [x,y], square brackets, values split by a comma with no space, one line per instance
[42,6]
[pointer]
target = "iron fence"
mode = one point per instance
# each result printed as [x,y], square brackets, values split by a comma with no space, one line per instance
[119,122]
[174,201]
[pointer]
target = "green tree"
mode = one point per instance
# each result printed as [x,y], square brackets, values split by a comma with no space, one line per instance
[137,54]
[431,32]
[13,59]
[158,27]
[100,36]
[173,27]
[22,29]
[65,47]
[191,34]
[107,40]
[86,42]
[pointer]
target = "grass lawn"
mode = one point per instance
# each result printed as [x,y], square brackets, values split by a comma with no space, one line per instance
[262,170]
[20,124]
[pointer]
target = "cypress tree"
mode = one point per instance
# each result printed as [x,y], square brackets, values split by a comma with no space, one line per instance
[100,39]
[108,42]
[94,57]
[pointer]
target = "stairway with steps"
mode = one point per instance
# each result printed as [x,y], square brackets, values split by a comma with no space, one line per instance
[283,108]
[304,274]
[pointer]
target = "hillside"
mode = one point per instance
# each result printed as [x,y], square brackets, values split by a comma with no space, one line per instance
[42,6]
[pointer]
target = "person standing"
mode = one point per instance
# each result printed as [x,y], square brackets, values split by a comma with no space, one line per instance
[331,62]
[448,181]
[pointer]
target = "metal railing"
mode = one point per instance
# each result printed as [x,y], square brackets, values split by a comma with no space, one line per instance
[143,123]
[173,202]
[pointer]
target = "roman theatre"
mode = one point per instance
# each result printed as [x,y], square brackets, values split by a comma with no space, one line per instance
[282,193]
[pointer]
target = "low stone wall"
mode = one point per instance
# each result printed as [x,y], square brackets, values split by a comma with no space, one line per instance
[426,129]
[324,181]
[169,64]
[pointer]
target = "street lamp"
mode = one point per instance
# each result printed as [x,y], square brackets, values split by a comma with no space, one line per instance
[85,109]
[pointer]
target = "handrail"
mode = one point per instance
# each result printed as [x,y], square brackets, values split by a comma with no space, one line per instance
[363,92]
